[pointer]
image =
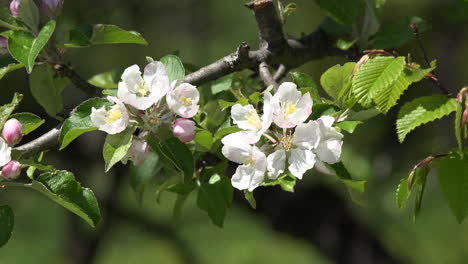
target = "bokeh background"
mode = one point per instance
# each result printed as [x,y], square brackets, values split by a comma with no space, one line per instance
[318,224]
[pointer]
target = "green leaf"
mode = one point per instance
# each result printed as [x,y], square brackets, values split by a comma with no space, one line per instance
[7,221]
[374,76]
[319,110]
[142,174]
[334,80]
[341,171]
[79,121]
[100,34]
[30,122]
[402,192]
[345,44]
[303,80]
[39,43]
[176,152]
[222,84]
[174,67]
[9,68]
[348,126]
[46,89]
[421,111]
[250,198]
[105,80]
[459,135]
[286,182]
[204,140]
[214,117]
[420,181]
[19,45]
[357,191]
[214,197]
[394,35]
[256,97]
[343,11]
[116,147]
[6,110]
[453,179]
[29,14]
[389,96]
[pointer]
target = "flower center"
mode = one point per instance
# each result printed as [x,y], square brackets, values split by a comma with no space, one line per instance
[248,161]
[113,115]
[253,120]
[185,100]
[142,89]
[286,142]
[289,109]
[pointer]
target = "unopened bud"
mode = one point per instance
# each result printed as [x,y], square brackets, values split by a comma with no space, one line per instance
[184,129]
[138,152]
[14,8]
[52,8]
[12,170]
[3,46]
[12,131]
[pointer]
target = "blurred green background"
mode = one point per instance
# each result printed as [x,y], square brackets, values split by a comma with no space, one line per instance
[203,31]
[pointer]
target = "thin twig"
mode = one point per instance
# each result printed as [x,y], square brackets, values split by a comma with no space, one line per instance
[280,73]
[266,76]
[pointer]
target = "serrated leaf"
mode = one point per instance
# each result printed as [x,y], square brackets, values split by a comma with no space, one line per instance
[47,89]
[214,197]
[79,121]
[174,67]
[29,122]
[453,179]
[6,110]
[376,75]
[402,192]
[421,111]
[7,221]
[39,43]
[389,96]
[116,147]
[335,79]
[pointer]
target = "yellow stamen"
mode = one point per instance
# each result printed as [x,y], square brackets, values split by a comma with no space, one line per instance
[249,161]
[113,115]
[286,142]
[185,100]
[142,89]
[290,108]
[253,120]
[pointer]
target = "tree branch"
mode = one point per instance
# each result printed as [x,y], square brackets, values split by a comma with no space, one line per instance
[80,83]
[264,71]
[44,142]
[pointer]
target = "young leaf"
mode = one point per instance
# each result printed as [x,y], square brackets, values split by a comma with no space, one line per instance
[214,197]
[402,192]
[9,68]
[453,179]
[174,67]
[421,111]
[80,121]
[46,89]
[30,122]
[19,45]
[116,147]
[374,76]
[389,96]
[250,198]
[7,221]
[420,182]
[39,43]
[334,80]
[6,110]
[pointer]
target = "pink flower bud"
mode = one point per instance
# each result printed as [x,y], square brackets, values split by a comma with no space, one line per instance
[14,5]
[52,7]
[12,170]
[12,131]
[138,151]
[184,129]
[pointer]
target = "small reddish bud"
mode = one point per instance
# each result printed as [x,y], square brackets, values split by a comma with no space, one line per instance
[12,131]
[12,170]
[52,8]
[14,8]
[184,129]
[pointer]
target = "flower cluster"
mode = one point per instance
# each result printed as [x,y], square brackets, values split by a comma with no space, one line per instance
[11,135]
[298,147]
[149,101]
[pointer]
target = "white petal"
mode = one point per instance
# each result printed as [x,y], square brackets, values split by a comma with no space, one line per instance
[153,70]
[300,161]
[5,152]
[235,148]
[242,178]
[246,117]
[326,120]
[327,131]
[276,163]
[267,117]
[281,121]
[98,116]
[287,92]
[303,110]
[329,151]
[175,100]
[131,77]
[307,136]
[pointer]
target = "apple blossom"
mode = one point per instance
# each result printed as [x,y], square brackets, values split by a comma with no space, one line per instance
[183,100]
[11,170]
[250,174]
[184,129]
[297,149]
[5,152]
[14,6]
[12,131]
[138,152]
[143,92]
[112,121]
[329,148]
[290,107]
[52,7]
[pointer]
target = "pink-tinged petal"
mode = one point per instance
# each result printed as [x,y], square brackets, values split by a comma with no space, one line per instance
[11,170]
[303,110]
[5,152]
[12,131]
[184,129]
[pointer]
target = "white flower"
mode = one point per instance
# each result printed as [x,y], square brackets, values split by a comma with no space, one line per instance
[138,152]
[183,100]
[247,118]
[290,107]
[251,172]
[297,150]
[329,148]
[142,93]
[5,152]
[112,121]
